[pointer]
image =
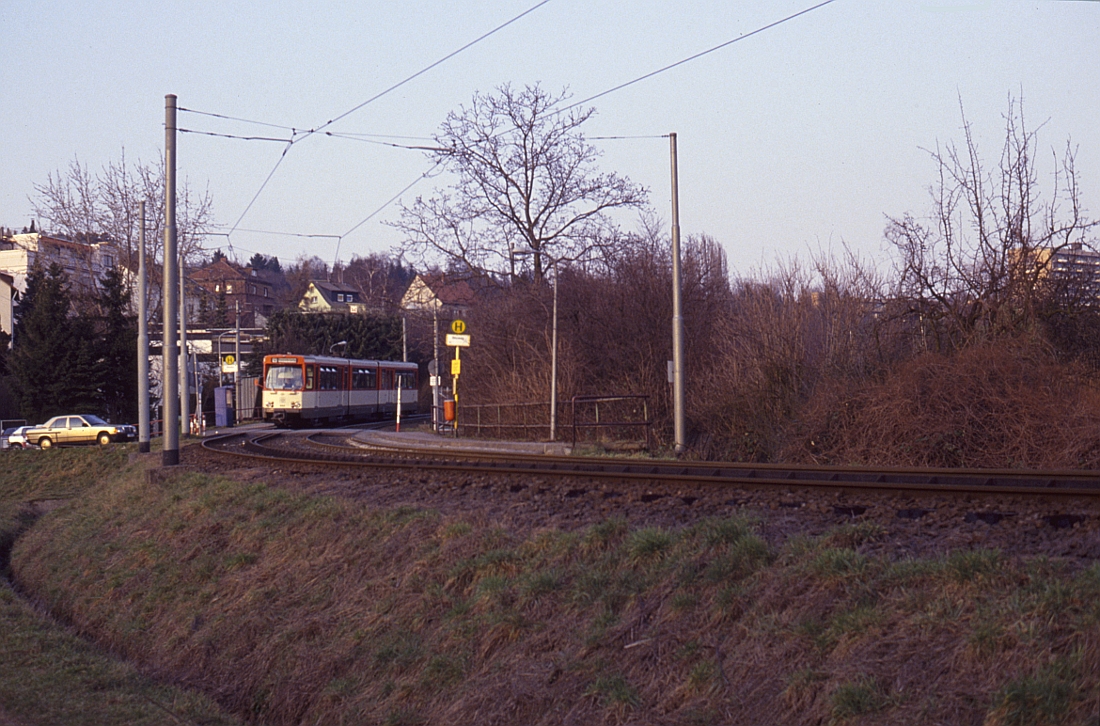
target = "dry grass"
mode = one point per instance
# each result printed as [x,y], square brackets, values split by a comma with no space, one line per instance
[294,609]
[49,675]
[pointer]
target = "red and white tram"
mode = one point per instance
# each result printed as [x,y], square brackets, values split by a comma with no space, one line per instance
[307,389]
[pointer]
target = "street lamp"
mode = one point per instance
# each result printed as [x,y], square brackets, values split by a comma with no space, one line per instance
[342,342]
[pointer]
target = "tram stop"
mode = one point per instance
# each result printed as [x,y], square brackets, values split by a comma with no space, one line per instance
[225,412]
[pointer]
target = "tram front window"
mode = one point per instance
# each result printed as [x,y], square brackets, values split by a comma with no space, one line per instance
[283,378]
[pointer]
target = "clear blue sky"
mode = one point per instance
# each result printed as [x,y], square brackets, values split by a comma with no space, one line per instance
[799,138]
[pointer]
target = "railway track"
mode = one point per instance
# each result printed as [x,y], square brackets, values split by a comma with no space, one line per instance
[331,448]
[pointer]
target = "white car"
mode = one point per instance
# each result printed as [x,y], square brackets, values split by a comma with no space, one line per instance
[15,438]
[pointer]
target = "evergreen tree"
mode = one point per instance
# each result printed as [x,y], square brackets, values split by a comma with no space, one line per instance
[221,311]
[48,348]
[116,341]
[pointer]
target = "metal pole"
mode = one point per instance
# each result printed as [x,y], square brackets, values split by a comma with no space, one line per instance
[170,350]
[554,362]
[677,312]
[143,340]
[404,342]
[185,381]
[438,369]
[237,367]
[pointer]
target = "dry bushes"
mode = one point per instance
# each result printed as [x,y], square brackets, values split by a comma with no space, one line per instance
[1004,404]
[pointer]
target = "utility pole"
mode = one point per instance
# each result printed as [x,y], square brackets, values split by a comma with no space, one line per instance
[438,372]
[554,361]
[237,367]
[185,383]
[142,341]
[169,352]
[677,312]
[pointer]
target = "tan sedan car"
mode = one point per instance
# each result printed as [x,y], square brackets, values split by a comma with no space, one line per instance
[78,429]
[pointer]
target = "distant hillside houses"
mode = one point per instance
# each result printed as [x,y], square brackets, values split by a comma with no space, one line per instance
[322,296]
[83,261]
[446,296]
[225,288]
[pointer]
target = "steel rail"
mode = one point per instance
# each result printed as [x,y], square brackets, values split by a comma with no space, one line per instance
[896,480]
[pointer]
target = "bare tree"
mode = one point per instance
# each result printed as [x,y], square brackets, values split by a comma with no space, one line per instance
[75,203]
[984,261]
[526,182]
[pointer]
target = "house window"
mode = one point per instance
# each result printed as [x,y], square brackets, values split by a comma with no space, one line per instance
[229,287]
[252,289]
[265,292]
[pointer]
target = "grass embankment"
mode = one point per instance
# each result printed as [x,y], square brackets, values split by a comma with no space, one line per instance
[48,675]
[290,608]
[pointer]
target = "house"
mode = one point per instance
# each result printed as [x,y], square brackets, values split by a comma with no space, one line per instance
[449,297]
[332,297]
[237,286]
[7,291]
[83,261]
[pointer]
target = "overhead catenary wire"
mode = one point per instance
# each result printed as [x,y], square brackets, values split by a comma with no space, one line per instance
[698,55]
[301,134]
[307,133]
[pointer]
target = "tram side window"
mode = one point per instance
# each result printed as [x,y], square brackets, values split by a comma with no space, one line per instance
[329,379]
[310,377]
[407,379]
[364,379]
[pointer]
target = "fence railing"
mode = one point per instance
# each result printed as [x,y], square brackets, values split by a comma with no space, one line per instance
[628,413]
[610,416]
[525,421]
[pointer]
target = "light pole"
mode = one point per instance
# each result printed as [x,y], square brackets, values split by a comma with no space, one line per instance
[334,345]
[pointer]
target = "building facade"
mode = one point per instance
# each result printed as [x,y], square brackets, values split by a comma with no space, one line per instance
[223,283]
[83,262]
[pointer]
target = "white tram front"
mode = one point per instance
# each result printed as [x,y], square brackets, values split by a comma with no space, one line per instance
[306,389]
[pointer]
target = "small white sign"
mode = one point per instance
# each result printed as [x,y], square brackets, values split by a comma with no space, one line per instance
[434,381]
[458,341]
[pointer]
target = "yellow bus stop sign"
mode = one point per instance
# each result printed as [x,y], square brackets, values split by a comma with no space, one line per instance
[458,327]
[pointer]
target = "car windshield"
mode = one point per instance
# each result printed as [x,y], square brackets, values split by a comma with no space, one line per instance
[283,378]
[9,432]
[95,420]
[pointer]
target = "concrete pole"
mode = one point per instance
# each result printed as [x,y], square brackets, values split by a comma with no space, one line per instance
[677,312]
[170,349]
[143,340]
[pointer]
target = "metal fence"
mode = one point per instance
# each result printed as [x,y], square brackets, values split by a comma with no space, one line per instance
[611,416]
[605,419]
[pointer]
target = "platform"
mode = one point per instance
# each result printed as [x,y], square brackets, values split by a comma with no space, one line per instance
[428,441]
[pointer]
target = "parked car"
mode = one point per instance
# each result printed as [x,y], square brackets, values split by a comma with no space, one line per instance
[74,429]
[14,437]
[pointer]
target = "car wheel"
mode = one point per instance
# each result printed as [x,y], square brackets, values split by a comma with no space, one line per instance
[45,442]
[104,438]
